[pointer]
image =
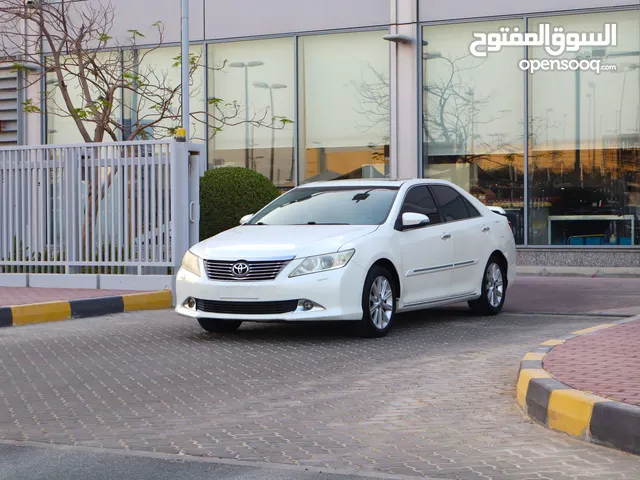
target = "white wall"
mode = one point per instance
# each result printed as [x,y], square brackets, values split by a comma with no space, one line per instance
[216,19]
[256,17]
[141,14]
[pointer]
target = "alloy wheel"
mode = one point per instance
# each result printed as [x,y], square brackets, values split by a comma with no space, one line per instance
[381,303]
[495,285]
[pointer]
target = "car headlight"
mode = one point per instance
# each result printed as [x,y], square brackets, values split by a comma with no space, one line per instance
[191,263]
[323,263]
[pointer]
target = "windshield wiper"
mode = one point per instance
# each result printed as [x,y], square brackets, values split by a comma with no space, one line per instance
[321,223]
[302,199]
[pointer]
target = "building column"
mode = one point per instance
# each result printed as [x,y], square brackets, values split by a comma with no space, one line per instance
[403,82]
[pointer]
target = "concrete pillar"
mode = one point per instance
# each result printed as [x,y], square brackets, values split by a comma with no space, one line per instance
[403,78]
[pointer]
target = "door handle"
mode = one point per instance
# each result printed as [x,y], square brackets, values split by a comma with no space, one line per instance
[444,236]
[486,229]
[192,217]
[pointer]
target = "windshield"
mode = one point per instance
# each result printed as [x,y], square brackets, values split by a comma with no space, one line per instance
[329,206]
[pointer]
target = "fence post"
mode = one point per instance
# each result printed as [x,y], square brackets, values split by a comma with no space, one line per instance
[180,225]
[196,170]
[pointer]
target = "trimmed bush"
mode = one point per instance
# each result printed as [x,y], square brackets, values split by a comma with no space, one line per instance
[229,193]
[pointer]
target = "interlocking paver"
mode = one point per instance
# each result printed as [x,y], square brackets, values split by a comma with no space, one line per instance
[434,398]
[611,296]
[606,362]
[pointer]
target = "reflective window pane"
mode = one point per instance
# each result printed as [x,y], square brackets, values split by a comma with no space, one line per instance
[473,116]
[251,89]
[584,160]
[452,205]
[344,106]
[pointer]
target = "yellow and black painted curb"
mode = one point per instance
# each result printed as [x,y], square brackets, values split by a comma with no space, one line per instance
[580,414]
[92,307]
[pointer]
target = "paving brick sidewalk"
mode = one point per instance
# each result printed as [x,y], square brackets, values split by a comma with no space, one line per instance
[595,296]
[23,296]
[606,362]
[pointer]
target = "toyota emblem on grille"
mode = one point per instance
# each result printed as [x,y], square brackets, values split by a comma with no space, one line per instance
[240,270]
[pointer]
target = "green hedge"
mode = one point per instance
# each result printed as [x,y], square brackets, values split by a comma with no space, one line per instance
[229,193]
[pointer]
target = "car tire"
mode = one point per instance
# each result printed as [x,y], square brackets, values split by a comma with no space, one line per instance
[493,290]
[219,326]
[378,303]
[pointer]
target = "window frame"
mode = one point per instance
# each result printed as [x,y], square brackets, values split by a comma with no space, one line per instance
[465,202]
[469,205]
[398,223]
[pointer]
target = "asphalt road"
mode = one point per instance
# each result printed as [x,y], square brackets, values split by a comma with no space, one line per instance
[21,462]
[435,398]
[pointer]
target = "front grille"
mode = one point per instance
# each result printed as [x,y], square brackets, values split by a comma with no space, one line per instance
[247,308]
[258,271]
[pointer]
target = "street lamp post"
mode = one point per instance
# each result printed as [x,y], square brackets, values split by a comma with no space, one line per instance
[426,57]
[627,67]
[185,66]
[549,110]
[271,88]
[590,98]
[595,132]
[246,67]
[472,99]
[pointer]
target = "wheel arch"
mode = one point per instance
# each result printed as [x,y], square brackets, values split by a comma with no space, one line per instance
[388,265]
[503,260]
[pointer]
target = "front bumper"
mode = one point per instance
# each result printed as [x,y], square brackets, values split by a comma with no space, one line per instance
[336,294]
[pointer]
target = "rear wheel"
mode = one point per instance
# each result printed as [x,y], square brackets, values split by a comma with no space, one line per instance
[494,289]
[219,326]
[378,303]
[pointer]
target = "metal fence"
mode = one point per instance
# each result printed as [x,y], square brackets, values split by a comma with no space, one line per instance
[120,213]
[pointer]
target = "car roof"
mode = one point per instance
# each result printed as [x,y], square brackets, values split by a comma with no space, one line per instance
[378,182]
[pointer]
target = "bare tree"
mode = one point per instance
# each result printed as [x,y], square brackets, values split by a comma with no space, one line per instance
[451,111]
[109,88]
[374,107]
[94,77]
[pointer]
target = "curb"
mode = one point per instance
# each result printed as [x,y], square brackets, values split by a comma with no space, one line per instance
[555,271]
[19,315]
[583,415]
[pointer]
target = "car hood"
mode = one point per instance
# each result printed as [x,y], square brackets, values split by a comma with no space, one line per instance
[255,242]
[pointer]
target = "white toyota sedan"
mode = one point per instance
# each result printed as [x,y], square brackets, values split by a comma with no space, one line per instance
[351,250]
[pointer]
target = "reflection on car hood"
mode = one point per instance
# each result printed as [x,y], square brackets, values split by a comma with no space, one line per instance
[255,242]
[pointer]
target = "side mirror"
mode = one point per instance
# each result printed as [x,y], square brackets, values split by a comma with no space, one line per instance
[245,219]
[413,220]
[498,210]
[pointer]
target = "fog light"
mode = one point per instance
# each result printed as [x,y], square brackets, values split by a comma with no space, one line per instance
[307,304]
[191,303]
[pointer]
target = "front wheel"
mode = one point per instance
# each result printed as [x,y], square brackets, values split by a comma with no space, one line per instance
[378,303]
[219,326]
[493,291]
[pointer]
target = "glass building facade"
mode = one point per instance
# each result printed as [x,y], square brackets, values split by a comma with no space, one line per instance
[558,150]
